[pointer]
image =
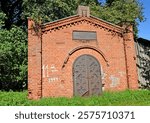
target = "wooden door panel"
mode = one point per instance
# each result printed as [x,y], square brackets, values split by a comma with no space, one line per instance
[87,76]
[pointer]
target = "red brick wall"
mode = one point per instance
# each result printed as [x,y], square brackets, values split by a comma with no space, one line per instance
[34,62]
[113,51]
[130,52]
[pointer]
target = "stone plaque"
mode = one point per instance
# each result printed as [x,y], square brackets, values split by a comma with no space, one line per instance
[84,35]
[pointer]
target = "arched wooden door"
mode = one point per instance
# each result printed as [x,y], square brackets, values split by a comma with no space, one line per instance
[87,76]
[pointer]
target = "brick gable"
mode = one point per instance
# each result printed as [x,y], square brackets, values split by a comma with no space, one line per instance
[52,52]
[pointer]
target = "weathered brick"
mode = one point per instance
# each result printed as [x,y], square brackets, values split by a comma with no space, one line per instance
[50,57]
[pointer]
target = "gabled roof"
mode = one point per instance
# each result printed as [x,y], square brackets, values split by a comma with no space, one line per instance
[76,19]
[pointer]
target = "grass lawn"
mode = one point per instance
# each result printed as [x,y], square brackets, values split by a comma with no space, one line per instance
[125,98]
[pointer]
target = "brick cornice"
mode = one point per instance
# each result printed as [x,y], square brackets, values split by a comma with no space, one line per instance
[75,20]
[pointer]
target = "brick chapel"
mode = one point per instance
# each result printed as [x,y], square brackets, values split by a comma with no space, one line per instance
[80,55]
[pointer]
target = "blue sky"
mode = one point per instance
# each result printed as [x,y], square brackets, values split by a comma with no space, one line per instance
[144,27]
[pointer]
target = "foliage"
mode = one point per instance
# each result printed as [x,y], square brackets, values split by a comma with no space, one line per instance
[2,18]
[124,11]
[13,12]
[13,55]
[140,97]
[50,10]
[13,59]
[116,12]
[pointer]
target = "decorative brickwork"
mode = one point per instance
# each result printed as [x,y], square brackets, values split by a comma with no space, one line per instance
[52,52]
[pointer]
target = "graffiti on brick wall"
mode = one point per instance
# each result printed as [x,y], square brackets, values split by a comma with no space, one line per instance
[46,73]
[122,73]
[53,79]
[46,70]
[53,68]
[114,81]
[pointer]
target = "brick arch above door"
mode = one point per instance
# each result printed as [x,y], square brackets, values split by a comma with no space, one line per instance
[85,47]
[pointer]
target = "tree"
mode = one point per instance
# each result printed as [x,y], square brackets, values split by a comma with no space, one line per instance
[13,11]
[13,57]
[50,10]
[2,18]
[117,11]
